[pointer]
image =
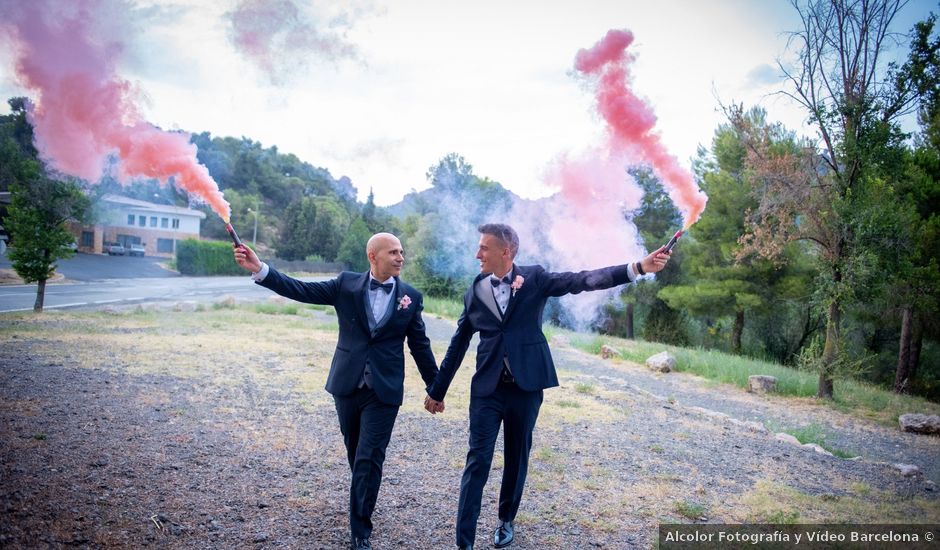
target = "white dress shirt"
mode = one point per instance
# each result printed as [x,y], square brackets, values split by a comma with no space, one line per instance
[501,293]
[261,274]
[378,298]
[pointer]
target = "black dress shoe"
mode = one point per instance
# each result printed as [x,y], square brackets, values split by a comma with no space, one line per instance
[503,535]
[361,544]
[467,547]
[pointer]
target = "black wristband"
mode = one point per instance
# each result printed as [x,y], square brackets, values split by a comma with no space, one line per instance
[639,268]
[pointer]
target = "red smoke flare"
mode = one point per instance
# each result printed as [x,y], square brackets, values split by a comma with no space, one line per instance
[84,112]
[630,121]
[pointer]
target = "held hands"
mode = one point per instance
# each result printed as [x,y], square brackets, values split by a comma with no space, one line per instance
[247,258]
[433,406]
[656,261]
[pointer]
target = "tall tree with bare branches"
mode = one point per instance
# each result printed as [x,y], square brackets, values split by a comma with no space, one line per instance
[853,98]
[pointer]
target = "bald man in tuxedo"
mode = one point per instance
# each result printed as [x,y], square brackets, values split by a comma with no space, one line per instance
[377,314]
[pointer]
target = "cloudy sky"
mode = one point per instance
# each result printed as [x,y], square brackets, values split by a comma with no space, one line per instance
[380,91]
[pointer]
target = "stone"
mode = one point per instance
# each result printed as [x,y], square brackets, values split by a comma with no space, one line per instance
[761,383]
[662,362]
[907,470]
[787,438]
[817,448]
[920,423]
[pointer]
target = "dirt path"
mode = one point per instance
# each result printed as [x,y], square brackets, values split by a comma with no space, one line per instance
[112,434]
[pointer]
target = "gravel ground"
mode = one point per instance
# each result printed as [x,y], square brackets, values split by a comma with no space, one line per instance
[103,456]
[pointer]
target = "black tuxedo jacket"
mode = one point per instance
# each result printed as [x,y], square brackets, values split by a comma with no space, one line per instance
[517,335]
[357,344]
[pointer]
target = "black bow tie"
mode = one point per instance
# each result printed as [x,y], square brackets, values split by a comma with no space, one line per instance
[387,287]
[497,282]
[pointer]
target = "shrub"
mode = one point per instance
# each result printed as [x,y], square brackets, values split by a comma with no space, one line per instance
[206,258]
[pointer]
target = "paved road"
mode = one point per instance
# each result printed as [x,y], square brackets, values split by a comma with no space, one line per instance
[95,267]
[95,280]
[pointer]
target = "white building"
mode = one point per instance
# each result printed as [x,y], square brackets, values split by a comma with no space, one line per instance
[130,221]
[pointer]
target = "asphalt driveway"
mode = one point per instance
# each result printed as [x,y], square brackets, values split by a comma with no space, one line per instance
[96,267]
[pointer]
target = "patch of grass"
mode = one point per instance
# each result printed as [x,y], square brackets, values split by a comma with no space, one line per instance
[568,404]
[546,454]
[783,517]
[769,502]
[588,343]
[584,388]
[859,488]
[812,433]
[854,397]
[443,307]
[224,303]
[690,509]
[277,309]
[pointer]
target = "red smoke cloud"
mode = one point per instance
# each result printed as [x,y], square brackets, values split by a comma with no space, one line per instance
[281,38]
[631,122]
[83,111]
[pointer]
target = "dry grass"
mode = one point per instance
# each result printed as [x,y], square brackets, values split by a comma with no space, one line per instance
[606,462]
[770,502]
[9,277]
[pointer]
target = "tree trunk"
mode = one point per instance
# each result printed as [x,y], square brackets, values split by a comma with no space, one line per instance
[917,341]
[902,376]
[629,321]
[830,351]
[40,296]
[736,332]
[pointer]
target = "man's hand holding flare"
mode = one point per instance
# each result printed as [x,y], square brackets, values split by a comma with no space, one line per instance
[654,262]
[246,257]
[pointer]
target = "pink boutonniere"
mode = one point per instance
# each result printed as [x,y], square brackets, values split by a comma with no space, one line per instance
[404,302]
[517,284]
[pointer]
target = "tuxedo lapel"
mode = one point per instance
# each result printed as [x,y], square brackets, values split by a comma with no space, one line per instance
[390,309]
[512,293]
[484,291]
[362,303]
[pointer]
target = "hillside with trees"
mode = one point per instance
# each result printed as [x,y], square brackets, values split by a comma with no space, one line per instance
[821,254]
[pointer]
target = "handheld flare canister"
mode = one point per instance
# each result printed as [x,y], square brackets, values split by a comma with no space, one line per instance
[672,242]
[233,234]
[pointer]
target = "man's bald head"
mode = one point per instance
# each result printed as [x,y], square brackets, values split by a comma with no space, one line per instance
[385,255]
[377,240]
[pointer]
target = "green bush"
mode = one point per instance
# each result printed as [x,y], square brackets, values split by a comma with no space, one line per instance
[206,258]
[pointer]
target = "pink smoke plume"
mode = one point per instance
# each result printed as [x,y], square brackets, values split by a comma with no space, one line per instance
[631,122]
[83,111]
[278,37]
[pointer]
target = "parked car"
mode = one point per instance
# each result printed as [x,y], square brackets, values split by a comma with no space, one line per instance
[116,249]
[137,250]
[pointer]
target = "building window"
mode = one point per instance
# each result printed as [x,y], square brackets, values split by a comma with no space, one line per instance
[176,223]
[153,221]
[164,222]
[88,239]
[165,246]
[142,221]
[130,219]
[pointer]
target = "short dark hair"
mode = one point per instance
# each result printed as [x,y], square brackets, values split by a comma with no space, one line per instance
[504,233]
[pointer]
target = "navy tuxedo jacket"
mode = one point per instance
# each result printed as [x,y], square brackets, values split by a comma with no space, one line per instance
[518,334]
[357,344]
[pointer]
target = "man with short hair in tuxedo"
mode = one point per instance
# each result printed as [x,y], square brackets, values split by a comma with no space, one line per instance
[513,365]
[377,312]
